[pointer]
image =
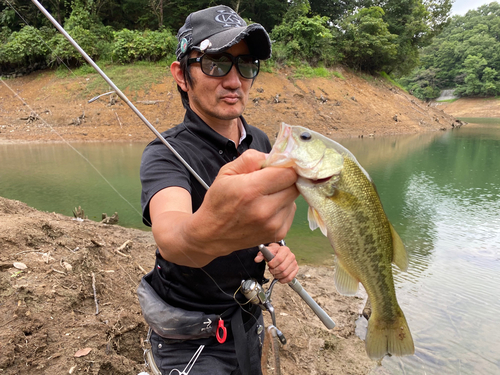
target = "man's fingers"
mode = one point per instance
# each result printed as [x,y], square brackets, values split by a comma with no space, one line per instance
[271,180]
[249,161]
[267,180]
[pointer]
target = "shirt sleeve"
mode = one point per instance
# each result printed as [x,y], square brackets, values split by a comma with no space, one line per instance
[160,169]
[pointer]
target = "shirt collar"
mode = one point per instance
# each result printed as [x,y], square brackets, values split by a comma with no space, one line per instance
[243,132]
[198,127]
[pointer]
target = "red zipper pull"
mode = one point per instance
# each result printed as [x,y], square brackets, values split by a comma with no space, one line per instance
[220,327]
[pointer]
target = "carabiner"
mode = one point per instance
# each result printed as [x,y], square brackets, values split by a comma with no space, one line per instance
[220,327]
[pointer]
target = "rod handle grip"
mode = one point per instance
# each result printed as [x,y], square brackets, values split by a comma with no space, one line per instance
[297,287]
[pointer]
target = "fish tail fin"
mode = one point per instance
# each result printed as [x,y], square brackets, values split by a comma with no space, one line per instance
[388,338]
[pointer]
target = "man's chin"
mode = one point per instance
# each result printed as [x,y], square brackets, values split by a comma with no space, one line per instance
[230,113]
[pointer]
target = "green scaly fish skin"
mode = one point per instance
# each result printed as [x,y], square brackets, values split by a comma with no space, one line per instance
[344,204]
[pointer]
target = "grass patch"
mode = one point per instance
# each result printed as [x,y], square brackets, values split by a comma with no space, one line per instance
[306,71]
[367,77]
[393,82]
[338,74]
[140,75]
[133,77]
[447,100]
[267,66]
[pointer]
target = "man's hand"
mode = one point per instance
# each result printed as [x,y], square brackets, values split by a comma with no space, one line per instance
[283,266]
[245,206]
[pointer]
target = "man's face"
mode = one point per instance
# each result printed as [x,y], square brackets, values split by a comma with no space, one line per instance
[219,98]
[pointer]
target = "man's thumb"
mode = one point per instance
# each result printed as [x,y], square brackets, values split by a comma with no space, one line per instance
[249,161]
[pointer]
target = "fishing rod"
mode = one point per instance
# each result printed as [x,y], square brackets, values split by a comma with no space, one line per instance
[118,91]
[294,284]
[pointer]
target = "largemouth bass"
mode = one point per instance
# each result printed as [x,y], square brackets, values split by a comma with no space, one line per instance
[345,205]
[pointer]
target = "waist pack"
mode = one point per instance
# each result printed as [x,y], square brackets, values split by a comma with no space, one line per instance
[172,322]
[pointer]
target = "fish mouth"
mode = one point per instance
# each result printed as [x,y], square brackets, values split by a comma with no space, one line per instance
[304,181]
[321,180]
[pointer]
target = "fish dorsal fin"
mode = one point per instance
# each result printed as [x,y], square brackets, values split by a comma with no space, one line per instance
[315,221]
[399,255]
[344,282]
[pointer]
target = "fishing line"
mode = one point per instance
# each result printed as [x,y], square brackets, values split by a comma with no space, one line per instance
[70,145]
[104,178]
[95,168]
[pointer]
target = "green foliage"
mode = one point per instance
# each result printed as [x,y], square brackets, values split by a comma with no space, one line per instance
[366,42]
[389,79]
[4,35]
[268,13]
[267,66]
[92,36]
[422,84]
[302,38]
[368,35]
[333,9]
[338,74]
[480,80]
[7,17]
[130,46]
[307,71]
[24,49]
[465,56]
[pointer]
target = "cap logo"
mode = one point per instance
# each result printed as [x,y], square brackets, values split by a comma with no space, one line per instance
[184,45]
[229,18]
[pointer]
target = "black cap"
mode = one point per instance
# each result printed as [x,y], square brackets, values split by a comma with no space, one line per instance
[218,28]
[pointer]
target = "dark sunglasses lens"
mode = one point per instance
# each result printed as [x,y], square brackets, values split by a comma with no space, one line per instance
[216,65]
[248,66]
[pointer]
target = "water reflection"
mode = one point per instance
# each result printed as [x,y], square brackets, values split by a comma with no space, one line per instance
[451,211]
[53,177]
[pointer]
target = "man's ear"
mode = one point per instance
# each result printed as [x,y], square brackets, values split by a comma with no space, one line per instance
[178,75]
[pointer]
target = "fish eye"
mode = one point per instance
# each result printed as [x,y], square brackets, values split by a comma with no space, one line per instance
[305,136]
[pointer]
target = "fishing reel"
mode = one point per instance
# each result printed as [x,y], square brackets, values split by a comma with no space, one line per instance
[256,294]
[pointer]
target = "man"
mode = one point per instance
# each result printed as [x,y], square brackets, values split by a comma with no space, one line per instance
[207,239]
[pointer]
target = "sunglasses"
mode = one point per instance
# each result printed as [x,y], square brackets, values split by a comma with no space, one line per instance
[220,64]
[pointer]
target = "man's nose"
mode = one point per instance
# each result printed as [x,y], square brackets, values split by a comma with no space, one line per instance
[232,79]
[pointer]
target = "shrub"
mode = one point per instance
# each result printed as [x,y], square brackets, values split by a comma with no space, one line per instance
[300,38]
[90,34]
[130,46]
[24,50]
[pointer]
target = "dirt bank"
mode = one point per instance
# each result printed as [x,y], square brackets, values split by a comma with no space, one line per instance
[471,107]
[48,310]
[42,107]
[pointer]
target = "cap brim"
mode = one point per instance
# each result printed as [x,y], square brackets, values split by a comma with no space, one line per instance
[254,35]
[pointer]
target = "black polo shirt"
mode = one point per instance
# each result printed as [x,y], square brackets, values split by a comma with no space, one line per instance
[211,288]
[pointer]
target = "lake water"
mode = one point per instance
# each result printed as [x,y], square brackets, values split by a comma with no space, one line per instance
[440,190]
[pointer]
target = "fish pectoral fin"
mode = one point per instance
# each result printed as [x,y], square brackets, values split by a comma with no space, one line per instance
[399,255]
[315,220]
[344,282]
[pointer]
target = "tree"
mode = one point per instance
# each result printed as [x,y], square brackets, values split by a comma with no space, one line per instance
[300,37]
[479,78]
[466,55]
[333,9]
[415,22]
[366,41]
